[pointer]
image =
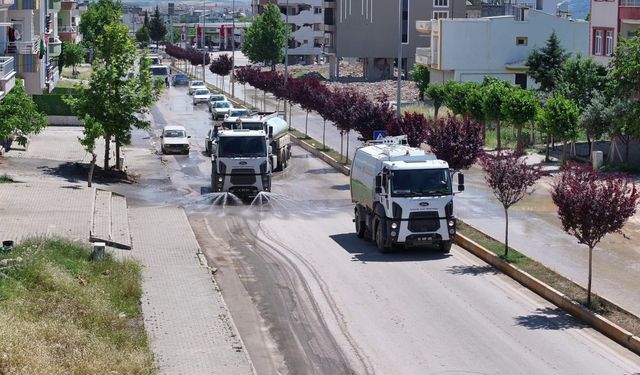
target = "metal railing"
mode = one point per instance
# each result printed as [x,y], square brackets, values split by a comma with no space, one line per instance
[25,47]
[6,66]
[423,55]
[6,3]
[67,29]
[630,3]
[424,26]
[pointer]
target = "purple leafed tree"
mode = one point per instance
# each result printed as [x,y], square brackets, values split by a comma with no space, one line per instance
[375,116]
[221,66]
[510,178]
[413,124]
[458,142]
[591,205]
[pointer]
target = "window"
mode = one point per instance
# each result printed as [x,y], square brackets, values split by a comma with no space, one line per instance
[521,80]
[609,43]
[521,40]
[441,3]
[317,10]
[405,21]
[597,43]
[440,14]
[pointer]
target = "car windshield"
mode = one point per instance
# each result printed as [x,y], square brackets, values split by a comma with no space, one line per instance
[229,147]
[202,92]
[238,113]
[175,134]
[180,76]
[420,182]
[197,83]
[216,98]
[160,71]
[223,105]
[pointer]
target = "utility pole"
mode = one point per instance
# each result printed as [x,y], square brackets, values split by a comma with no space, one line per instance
[399,58]
[233,48]
[286,57]
[204,24]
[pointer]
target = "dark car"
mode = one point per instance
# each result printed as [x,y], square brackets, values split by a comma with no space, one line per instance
[180,80]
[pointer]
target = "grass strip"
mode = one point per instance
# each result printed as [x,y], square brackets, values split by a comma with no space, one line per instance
[63,313]
[320,147]
[560,283]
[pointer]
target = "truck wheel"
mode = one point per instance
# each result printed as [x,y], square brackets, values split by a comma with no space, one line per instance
[285,162]
[360,226]
[445,246]
[380,239]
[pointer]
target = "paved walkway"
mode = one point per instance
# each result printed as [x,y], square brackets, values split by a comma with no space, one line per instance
[188,323]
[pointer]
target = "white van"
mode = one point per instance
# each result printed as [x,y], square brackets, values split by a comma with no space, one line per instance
[160,71]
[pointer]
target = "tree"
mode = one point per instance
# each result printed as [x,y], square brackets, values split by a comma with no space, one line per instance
[580,79]
[265,39]
[19,115]
[508,175]
[90,134]
[375,115]
[458,142]
[559,119]
[157,29]
[596,118]
[348,106]
[142,34]
[112,100]
[456,97]
[545,64]
[591,205]
[437,95]
[495,92]
[99,14]
[221,66]
[413,124]
[73,55]
[520,107]
[420,75]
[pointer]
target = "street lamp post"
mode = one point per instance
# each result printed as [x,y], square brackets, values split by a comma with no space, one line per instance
[204,52]
[399,57]
[286,57]
[233,48]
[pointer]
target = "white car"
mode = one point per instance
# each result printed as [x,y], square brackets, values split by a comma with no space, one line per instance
[237,112]
[201,96]
[196,85]
[220,109]
[216,98]
[174,139]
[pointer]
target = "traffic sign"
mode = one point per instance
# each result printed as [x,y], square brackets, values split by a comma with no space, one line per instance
[379,134]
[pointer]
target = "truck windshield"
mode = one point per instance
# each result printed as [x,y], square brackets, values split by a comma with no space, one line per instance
[242,147]
[159,71]
[249,125]
[420,182]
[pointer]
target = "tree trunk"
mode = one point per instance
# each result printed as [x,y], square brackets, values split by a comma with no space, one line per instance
[498,143]
[94,157]
[436,108]
[590,145]
[244,90]
[548,150]
[223,84]
[519,135]
[506,232]
[590,275]
[306,123]
[118,166]
[107,150]
[324,126]
[341,143]
[532,140]
[347,160]
[264,101]
[564,152]
[627,142]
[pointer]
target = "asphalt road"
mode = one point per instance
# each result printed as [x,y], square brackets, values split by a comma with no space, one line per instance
[309,297]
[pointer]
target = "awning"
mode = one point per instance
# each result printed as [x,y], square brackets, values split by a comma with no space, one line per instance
[517,65]
[631,22]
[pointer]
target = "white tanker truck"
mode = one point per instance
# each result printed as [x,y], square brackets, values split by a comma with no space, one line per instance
[246,151]
[402,196]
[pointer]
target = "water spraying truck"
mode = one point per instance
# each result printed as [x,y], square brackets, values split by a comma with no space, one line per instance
[403,196]
[246,151]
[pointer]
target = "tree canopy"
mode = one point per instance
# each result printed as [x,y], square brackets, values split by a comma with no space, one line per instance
[580,78]
[420,75]
[99,14]
[19,115]
[545,63]
[73,54]
[157,29]
[264,40]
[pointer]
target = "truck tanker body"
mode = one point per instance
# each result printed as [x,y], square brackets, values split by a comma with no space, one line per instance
[402,196]
[246,151]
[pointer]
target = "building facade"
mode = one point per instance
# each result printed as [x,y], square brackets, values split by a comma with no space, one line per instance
[306,38]
[470,49]
[611,20]
[371,31]
[7,68]
[32,41]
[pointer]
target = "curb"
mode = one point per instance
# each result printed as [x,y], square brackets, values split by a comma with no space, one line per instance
[323,156]
[598,322]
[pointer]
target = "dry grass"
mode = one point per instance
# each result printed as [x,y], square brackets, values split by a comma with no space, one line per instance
[62,313]
[567,287]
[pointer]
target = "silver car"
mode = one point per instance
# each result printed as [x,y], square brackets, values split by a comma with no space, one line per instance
[201,96]
[220,109]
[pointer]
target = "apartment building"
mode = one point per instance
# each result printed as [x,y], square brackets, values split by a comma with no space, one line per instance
[470,49]
[306,38]
[32,41]
[7,69]
[370,31]
[609,21]
[69,21]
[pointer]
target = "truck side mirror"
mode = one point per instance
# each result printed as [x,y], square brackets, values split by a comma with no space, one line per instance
[460,181]
[378,181]
[270,131]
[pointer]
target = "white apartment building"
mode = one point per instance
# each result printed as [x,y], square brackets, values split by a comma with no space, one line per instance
[611,20]
[306,19]
[470,49]
[30,38]
[69,21]
[7,69]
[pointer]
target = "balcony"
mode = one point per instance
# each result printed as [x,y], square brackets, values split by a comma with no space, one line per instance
[630,3]
[424,27]
[6,3]
[24,47]
[6,67]
[55,47]
[423,56]
[54,5]
[68,33]
[69,4]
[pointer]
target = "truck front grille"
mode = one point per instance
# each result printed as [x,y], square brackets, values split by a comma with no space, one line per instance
[424,221]
[243,176]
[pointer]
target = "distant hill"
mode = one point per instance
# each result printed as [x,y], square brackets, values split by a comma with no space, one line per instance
[578,8]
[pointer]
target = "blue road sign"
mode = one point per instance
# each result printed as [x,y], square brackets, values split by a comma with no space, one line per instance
[379,134]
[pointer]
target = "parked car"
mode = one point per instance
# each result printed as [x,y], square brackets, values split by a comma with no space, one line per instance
[220,109]
[201,96]
[216,98]
[196,85]
[238,112]
[180,80]
[174,139]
